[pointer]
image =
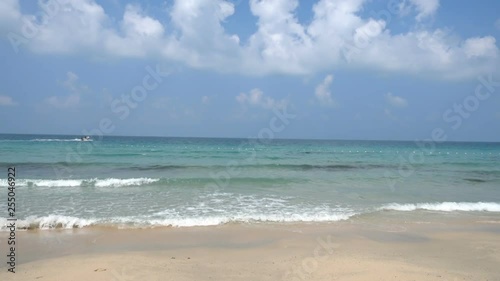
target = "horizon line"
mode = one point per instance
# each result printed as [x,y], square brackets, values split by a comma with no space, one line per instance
[254,138]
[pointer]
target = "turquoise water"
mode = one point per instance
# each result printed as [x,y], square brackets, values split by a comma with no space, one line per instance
[148,181]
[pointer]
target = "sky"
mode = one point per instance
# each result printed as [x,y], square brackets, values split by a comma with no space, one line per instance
[323,69]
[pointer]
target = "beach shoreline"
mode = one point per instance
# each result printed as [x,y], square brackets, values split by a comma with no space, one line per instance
[388,249]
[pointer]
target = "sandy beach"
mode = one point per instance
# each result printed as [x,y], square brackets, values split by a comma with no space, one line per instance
[387,249]
[262,140]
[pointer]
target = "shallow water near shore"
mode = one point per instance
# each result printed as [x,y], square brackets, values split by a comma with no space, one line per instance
[142,182]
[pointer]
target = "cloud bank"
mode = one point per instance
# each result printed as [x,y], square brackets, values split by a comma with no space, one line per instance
[192,33]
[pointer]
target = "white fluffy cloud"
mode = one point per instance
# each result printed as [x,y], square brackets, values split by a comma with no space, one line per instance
[425,8]
[199,39]
[257,98]
[480,47]
[7,101]
[135,24]
[323,93]
[336,36]
[74,26]
[140,35]
[395,100]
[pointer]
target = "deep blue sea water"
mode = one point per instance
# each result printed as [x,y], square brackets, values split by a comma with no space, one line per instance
[159,181]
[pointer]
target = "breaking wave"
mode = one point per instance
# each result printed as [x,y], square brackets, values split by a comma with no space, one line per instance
[70,222]
[109,182]
[446,207]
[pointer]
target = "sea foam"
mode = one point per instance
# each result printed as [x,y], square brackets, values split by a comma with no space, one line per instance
[109,182]
[68,222]
[48,222]
[446,207]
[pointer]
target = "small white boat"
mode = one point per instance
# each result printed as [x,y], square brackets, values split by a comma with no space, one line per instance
[85,138]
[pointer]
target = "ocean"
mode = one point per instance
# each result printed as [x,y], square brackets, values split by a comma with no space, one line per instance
[141,182]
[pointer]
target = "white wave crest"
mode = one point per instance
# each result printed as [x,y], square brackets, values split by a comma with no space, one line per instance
[110,182]
[132,222]
[291,218]
[123,182]
[446,207]
[68,222]
[48,222]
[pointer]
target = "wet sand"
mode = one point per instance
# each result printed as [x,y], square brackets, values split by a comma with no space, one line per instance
[389,249]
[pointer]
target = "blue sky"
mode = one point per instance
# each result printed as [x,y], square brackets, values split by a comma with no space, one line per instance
[390,70]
